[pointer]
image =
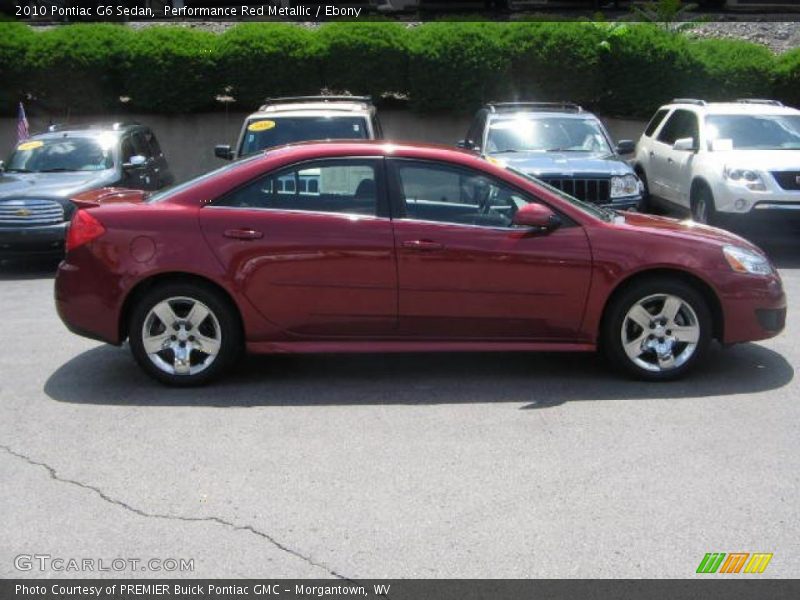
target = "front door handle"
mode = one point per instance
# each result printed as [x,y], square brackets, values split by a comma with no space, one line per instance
[652,154]
[243,234]
[670,161]
[423,245]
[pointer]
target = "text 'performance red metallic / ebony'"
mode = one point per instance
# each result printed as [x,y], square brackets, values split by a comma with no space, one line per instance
[378,247]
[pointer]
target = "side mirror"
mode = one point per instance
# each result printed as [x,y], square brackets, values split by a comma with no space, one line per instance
[137,160]
[2,166]
[223,151]
[537,216]
[626,147]
[465,144]
[684,144]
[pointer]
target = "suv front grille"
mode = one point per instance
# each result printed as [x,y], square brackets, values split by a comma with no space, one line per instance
[788,180]
[30,212]
[597,191]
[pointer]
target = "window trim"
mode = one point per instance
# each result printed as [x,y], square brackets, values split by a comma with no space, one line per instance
[671,116]
[654,133]
[382,208]
[394,189]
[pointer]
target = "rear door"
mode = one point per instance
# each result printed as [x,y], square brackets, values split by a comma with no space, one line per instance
[311,247]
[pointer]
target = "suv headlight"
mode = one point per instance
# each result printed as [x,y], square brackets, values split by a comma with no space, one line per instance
[742,260]
[749,178]
[625,185]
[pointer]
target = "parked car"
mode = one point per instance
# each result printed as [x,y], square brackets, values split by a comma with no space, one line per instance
[401,248]
[561,144]
[733,164]
[305,118]
[43,172]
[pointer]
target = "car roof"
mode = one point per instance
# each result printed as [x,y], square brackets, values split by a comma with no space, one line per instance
[88,130]
[312,109]
[735,108]
[505,116]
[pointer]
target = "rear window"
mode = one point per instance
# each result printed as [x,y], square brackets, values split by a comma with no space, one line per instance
[655,122]
[268,133]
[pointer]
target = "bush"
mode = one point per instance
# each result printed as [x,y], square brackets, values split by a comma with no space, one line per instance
[554,61]
[15,39]
[364,58]
[456,66]
[787,78]
[170,70]
[77,69]
[731,69]
[258,60]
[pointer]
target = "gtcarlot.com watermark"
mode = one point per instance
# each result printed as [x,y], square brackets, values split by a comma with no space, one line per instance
[60,564]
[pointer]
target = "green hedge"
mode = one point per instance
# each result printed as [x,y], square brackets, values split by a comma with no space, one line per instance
[626,69]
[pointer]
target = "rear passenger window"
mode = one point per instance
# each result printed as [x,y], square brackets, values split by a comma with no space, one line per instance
[655,122]
[348,187]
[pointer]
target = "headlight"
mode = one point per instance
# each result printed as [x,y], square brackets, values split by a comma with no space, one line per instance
[742,260]
[627,185]
[750,179]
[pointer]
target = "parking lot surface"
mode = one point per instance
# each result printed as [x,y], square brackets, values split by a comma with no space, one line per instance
[425,465]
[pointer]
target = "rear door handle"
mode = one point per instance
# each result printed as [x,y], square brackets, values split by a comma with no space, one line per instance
[243,234]
[652,154]
[423,245]
[669,160]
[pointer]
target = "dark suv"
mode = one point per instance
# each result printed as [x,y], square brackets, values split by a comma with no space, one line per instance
[561,144]
[46,170]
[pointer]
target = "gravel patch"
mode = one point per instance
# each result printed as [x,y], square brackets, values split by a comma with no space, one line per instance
[777,36]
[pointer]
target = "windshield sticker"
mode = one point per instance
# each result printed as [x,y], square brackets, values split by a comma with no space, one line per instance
[261,126]
[30,145]
[496,161]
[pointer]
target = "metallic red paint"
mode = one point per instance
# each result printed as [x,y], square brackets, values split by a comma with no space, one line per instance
[316,282]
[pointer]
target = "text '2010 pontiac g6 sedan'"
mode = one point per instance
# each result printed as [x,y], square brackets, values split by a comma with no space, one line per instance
[379,247]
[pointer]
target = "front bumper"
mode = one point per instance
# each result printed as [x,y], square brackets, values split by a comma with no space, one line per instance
[773,221]
[627,203]
[43,240]
[754,307]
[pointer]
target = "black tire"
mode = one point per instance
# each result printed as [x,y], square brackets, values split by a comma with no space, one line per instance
[617,316]
[703,208]
[224,323]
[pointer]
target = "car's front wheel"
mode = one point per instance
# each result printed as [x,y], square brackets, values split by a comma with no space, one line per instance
[184,333]
[657,329]
[703,208]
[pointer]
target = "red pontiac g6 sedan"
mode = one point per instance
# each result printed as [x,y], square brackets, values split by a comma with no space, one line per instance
[379,247]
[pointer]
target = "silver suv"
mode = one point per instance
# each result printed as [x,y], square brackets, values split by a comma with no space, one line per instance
[304,118]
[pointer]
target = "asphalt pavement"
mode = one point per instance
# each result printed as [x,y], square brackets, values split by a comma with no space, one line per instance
[418,465]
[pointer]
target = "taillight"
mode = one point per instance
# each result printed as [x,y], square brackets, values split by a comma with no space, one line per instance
[83,229]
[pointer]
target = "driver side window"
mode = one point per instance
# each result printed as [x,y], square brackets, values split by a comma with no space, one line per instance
[447,194]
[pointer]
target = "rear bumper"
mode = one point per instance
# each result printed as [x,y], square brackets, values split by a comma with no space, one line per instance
[21,242]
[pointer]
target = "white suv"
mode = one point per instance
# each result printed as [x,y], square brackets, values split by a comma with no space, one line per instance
[733,164]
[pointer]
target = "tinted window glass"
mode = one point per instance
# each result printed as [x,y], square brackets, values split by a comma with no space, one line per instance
[655,122]
[140,145]
[267,133]
[682,124]
[61,154]
[333,186]
[433,192]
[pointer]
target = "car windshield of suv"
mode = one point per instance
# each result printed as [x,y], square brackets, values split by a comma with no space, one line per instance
[546,134]
[268,133]
[753,132]
[61,154]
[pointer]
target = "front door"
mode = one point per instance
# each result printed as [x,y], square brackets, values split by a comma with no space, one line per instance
[464,271]
[311,247]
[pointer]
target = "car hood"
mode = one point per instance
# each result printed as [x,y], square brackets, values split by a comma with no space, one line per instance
[566,164]
[686,229]
[52,185]
[762,160]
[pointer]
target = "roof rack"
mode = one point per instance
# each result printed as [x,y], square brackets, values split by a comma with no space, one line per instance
[510,106]
[299,99]
[84,126]
[688,101]
[766,101]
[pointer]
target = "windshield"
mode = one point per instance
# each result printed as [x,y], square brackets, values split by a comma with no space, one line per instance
[753,132]
[267,133]
[595,211]
[174,189]
[546,134]
[61,154]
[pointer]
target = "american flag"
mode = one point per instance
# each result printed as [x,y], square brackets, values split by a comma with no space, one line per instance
[22,124]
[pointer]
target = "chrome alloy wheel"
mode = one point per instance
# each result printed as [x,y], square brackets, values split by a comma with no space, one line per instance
[181,336]
[660,332]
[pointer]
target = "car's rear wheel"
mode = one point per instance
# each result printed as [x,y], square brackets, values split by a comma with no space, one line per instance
[184,333]
[657,329]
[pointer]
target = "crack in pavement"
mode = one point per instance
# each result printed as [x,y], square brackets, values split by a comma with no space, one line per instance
[142,513]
